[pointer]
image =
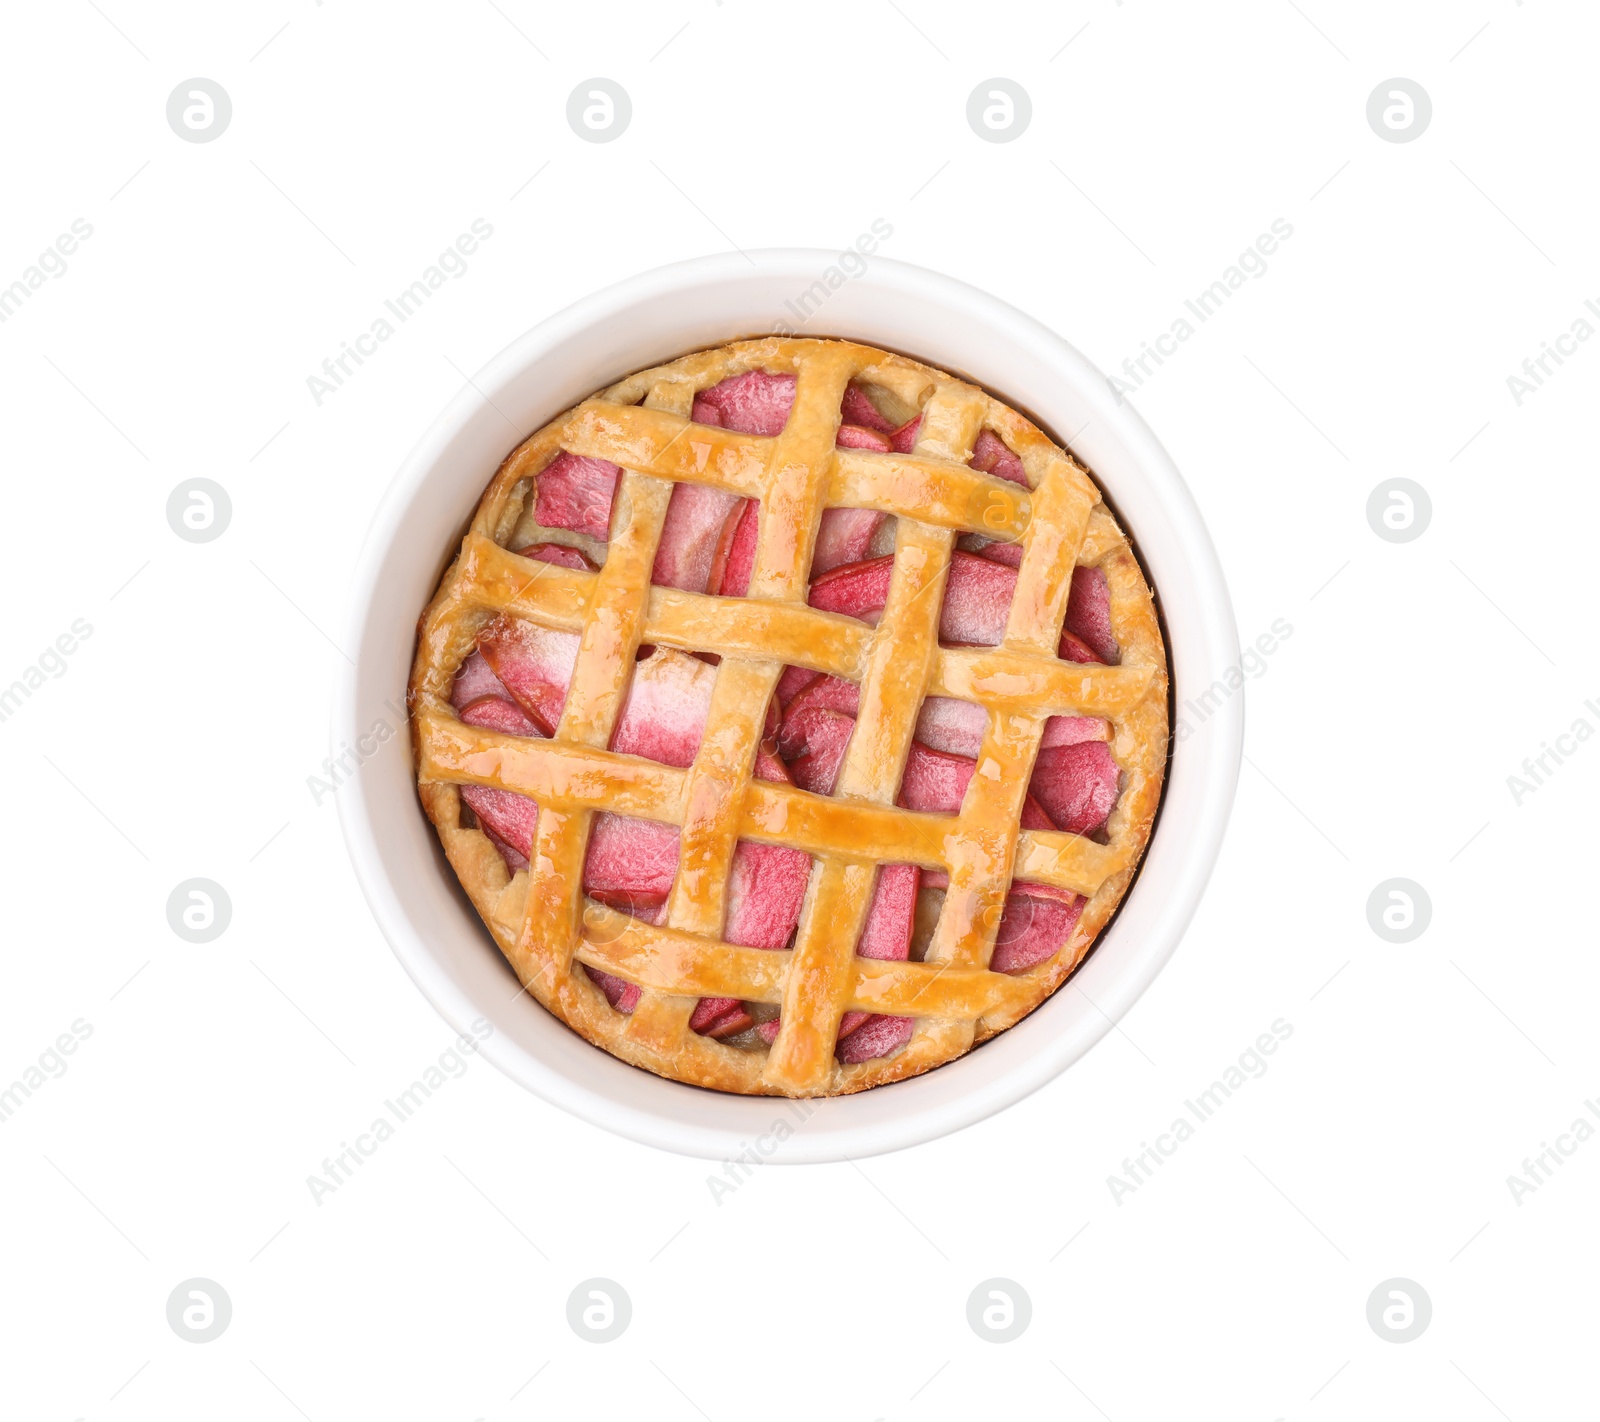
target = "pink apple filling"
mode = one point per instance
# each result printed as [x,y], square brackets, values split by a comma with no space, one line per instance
[516,680]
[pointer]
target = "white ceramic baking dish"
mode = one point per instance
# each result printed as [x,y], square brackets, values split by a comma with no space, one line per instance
[649,319]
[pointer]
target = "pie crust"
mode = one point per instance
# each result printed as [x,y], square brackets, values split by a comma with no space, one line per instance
[540,917]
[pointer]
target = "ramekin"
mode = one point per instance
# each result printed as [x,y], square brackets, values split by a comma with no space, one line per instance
[652,318]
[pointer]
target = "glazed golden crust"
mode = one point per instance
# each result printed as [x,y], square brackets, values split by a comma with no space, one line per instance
[540,918]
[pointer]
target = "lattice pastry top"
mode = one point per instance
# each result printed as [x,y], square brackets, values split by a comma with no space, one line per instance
[814,728]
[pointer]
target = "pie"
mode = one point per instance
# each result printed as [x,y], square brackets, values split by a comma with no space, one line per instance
[794,714]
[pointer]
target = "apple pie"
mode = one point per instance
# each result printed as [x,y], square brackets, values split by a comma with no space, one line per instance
[794,714]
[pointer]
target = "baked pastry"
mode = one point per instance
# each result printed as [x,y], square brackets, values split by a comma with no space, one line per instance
[813,730]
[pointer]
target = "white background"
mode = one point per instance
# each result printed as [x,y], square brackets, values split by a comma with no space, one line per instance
[1165,138]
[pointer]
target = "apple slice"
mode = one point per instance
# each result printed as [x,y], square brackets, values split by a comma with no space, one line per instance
[498,713]
[1089,613]
[719,1017]
[697,514]
[977,599]
[507,819]
[533,663]
[876,1037]
[1077,785]
[955,727]
[622,995]
[843,536]
[1008,553]
[1074,730]
[793,681]
[854,589]
[735,558]
[754,403]
[557,553]
[935,782]
[857,409]
[630,857]
[664,716]
[476,679]
[766,886]
[828,693]
[859,437]
[886,935]
[818,738]
[574,491]
[650,908]
[990,456]
[1032,929]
